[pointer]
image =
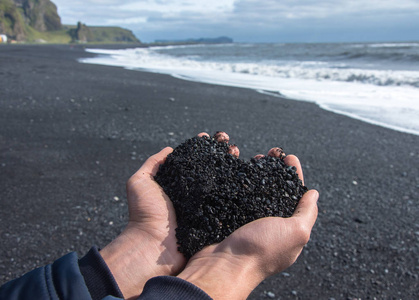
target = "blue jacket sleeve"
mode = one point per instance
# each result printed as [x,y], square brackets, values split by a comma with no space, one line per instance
[169,288]
[172,288]
[64,280]
[59,280]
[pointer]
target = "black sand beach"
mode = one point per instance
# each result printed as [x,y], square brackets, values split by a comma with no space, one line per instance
[71,134]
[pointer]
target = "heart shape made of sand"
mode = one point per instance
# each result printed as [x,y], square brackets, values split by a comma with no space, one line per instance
[214,193]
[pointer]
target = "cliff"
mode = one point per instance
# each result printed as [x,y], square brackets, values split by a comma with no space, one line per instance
[38,21]
[100,34]
[19,18]
[41,15]
[11,20]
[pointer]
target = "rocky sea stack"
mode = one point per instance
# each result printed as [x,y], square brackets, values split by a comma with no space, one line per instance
[214,193]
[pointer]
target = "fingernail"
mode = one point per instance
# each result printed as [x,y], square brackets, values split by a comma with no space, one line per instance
[203,134]
[276,152]
[221,136]
[234,150]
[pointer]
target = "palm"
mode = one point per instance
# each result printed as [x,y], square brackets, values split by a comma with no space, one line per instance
[151,211]
[273,243]
[268,238]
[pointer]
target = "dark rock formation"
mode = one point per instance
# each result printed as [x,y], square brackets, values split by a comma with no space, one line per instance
[20,16]
[81,34]
[11,21]
[42,15]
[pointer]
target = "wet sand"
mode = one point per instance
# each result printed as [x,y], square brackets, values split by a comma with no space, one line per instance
[71,134]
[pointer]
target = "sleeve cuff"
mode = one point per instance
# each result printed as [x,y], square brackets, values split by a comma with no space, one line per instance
[99,279]
[172,288]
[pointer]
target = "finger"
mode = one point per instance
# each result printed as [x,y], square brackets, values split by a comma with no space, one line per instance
[151,165]
[202,134]
[276,152]
[221,136]
[234,150]
[307,210]
[292,160]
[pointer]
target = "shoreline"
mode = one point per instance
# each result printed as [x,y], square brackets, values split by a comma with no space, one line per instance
[360,100]
[71,134]
[350,115]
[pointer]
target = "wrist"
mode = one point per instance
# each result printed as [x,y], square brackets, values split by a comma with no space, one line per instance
[133,258]
[218,272]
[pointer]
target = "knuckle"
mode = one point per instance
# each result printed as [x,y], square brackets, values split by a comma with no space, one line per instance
[303,233]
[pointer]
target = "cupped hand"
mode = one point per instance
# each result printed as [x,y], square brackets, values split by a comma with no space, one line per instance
[256,250]
[147,247]
[152,212]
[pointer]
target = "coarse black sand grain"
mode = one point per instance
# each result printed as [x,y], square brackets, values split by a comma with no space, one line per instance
[214,193]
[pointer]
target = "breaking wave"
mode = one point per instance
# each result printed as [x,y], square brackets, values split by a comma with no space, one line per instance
[374,89]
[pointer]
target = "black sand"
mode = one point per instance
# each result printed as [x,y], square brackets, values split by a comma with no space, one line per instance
[214,192]
[71,135]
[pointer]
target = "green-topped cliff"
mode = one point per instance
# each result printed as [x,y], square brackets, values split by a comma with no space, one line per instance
[35,21]
[100,34]
[12,23]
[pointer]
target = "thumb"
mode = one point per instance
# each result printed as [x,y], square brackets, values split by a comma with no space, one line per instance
[306,210]
[151,165]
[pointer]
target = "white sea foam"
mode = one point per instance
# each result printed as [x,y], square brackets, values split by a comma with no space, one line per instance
[382,97]
[386,45]
[146,58]
[393,45]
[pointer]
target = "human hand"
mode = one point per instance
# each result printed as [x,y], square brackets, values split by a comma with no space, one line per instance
[255,251]
[147,247]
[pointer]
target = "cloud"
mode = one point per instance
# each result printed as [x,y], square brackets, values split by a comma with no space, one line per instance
[101,12]
[251,20]
[176,7]
[321,9]
[133,20]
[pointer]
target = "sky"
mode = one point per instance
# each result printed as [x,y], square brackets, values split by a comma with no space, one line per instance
[252,20]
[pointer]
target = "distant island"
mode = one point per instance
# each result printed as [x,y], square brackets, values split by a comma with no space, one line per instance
[218,40]
[37,21]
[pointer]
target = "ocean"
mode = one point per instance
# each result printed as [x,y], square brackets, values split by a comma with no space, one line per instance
[373,82]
